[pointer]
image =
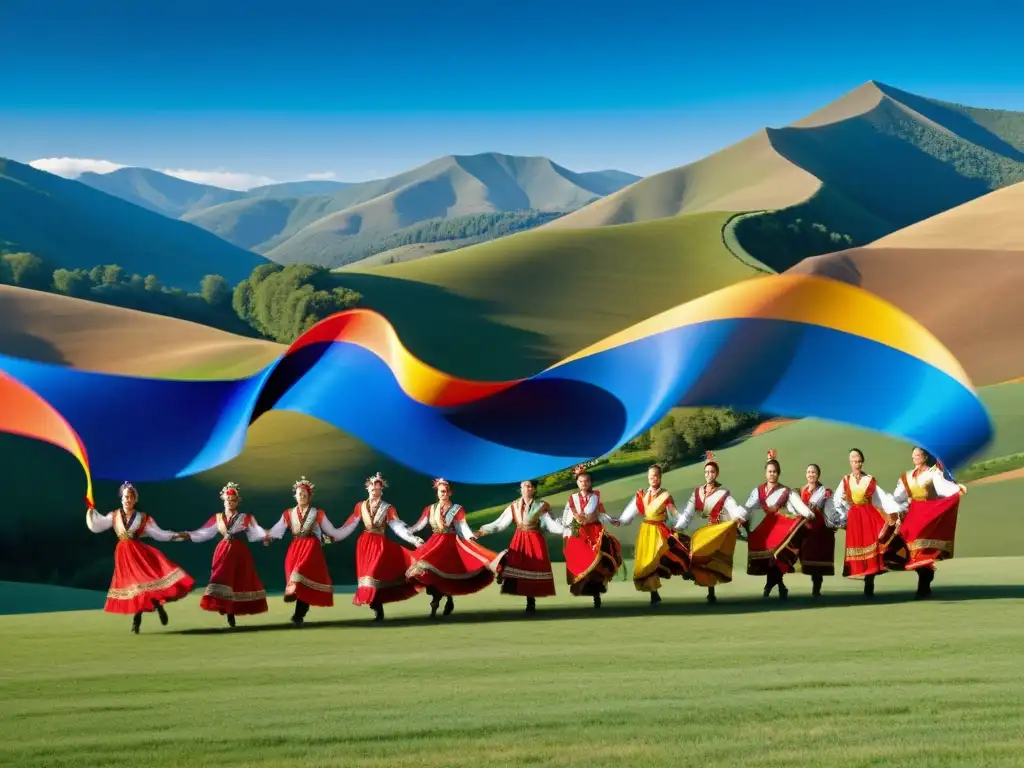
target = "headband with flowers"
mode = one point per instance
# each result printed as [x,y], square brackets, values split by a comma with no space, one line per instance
[231,489]
[303,483]
[377,478]
[441,481]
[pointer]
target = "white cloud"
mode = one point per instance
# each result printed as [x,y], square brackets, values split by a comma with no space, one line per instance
[73,167]
[223,179]
[325,176]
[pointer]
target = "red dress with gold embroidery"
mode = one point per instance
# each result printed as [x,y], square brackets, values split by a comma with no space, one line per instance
[592,555]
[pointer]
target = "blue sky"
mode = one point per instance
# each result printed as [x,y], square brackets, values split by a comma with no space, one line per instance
[370,89]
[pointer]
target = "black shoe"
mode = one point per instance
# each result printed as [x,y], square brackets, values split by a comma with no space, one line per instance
[531,605]
[378,612]
[231,620]
[655,598]
[597,601]
[869,587]
[712,597]
[136,623]
[924,584]
[816,589]
[783,591]
[449,605]
[161,613]
[435,603]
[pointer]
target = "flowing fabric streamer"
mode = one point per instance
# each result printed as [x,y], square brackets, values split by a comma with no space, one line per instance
[787,345]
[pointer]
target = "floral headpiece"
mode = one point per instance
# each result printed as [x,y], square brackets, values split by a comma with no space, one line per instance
[441,481]
[709,458]
[231,489]
[303,483]
[125,487]
[580,469]
[377,478]
[771,454]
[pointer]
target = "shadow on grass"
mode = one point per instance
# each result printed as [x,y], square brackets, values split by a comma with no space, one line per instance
[669,606]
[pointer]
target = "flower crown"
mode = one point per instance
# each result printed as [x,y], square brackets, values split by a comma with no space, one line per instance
[231,489]
[125,487]
[771,454]
[303,483]
[709,456]
[579,469]
[441,481]
[377,478]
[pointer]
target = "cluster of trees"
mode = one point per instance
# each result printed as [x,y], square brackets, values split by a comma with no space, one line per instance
[476,226]
[282,303]
[274,302]
[783,238]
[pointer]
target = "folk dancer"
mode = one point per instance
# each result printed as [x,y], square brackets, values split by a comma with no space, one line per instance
[773,545]
[931,503]
[659,552]
[713,545]
[144,580]
[308,581]
[592,555]
[871,518]
[234,588]
[380,563]
[818,549]
[450,563]
[524,568]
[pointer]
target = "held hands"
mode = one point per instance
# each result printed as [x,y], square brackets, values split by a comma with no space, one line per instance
[267,540]
[963,488]
[182,536]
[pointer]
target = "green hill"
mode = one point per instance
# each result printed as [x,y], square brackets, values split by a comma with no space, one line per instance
[71,225]
[874,161]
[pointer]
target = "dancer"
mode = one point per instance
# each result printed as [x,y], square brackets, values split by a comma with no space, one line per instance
[592,555]
[929,525]
[450,563]
[871,517]
[235,588]
[524,568]
[659,553]
[144,580]
[305,568]
[818,549]
[773,546]
[380,563]
[712,546]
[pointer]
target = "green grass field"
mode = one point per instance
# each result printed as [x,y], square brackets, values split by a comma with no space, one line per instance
[839,682]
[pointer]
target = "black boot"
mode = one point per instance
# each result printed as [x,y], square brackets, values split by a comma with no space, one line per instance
[655,597]
[531,604]
[597,599]
[231,620]
[783,589]
[378,611]
[161,613]
[435,601]
[770,581]
[301,609]
[869,586]
[816,581]
[924,583]
[711,595]
[449,605]
[137,622]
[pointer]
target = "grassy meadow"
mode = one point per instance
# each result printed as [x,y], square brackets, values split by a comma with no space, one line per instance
[838,682]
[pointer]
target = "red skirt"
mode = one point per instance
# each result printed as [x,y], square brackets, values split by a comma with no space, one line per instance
[928,530]
[235,587]
[865,555]
[381,565]
[305,571]
[775,541]
[142,577]
[525,567]
[592,558]
[818,550]
[452,565]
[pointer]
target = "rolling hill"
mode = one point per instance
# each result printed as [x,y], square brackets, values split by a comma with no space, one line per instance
[71,225]
[874,161]
[322,222]
[959,273]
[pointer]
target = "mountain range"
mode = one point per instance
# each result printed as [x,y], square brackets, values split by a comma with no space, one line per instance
[333,223]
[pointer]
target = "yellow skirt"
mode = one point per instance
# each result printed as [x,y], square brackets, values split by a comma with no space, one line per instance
[657,556]
[711,552]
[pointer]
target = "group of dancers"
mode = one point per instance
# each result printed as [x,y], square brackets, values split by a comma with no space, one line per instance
[910,529]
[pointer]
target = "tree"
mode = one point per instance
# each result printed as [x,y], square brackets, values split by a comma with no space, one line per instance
[112,274]
[72,282]
[152,284]
[215,291]
[28,271]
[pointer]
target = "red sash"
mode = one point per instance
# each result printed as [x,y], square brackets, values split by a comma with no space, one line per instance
[762,499]
[698,503]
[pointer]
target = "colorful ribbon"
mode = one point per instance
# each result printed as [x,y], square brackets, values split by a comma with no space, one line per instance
[792,345]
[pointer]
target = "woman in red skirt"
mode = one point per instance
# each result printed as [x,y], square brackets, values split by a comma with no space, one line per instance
[592,555]
[305,568]
[144,580]
[773,546]
[928,529]
[818,549]
[524,568]
[380,563]
[235,588]
[450,563]
[871,517]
